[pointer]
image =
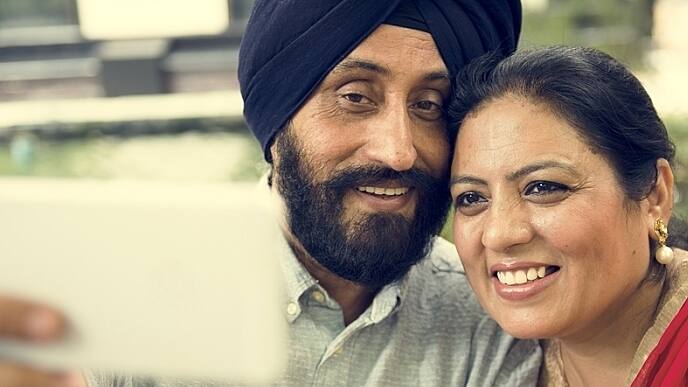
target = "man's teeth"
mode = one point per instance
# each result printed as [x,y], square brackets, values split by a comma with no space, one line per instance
[384,191]
[519,277]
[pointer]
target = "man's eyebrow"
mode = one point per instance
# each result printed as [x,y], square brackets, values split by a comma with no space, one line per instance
[538,166]
[437,76]
[362,64]
[359,64]
[466,179]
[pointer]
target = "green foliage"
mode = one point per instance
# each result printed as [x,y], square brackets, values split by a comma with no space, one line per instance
[619,27]
[188,156]
[678,130]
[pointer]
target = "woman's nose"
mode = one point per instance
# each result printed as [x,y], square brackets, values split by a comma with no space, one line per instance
[508,225]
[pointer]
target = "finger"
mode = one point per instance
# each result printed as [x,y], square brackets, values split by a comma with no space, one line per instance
[74,379]
[15,375]
[25,320]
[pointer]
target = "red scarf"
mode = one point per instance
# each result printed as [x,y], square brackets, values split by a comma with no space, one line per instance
[667,365]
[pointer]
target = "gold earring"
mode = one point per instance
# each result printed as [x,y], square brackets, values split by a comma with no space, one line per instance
[663,254]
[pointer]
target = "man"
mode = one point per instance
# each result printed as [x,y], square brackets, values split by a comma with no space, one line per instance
[346,98]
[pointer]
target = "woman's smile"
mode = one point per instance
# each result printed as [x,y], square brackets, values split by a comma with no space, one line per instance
[521,280]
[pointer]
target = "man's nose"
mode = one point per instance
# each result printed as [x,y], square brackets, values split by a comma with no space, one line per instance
[391,139]
[508,225]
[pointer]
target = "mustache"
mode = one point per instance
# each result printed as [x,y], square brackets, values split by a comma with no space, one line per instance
[371,174]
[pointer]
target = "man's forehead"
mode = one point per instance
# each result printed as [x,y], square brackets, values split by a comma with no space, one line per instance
[354,64]
[388,46]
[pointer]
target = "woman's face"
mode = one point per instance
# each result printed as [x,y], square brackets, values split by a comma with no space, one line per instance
[549,243]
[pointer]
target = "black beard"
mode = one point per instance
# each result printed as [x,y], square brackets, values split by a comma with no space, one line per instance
[370,249]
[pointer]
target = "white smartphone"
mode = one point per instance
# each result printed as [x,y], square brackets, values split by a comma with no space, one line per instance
[156,279]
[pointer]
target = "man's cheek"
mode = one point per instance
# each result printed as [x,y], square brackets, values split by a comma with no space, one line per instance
[351,207]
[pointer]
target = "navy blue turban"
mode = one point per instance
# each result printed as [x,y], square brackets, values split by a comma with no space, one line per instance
[290,46]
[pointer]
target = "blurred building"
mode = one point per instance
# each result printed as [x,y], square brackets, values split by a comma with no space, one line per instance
[59,48]
[63,49]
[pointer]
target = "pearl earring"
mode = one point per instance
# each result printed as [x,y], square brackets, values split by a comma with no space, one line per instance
[663,254]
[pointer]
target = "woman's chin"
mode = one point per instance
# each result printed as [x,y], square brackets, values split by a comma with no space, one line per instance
[528,327]
[526,334]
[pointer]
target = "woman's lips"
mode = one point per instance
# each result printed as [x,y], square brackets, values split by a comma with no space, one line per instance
[521,281]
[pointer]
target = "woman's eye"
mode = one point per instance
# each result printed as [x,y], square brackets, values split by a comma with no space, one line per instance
[546,191]
[543,187]
[470,203]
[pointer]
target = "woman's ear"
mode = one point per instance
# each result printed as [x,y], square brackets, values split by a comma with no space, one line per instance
[661,197]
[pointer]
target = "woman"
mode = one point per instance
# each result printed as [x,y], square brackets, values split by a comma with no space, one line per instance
[562,185]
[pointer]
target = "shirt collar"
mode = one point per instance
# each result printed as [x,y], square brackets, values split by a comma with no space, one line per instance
[297,280]
[386,302]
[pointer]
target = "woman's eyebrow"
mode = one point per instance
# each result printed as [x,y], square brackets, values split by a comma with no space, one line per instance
[466,179]
[528,169]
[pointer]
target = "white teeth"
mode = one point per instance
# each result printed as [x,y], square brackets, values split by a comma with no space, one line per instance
[541,271]
[509,278]
[522,276]
[384,191]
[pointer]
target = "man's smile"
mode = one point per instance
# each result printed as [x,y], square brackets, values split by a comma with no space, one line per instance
[384,191]
[380,197]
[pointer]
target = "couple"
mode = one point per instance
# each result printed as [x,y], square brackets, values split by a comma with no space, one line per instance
[560,177]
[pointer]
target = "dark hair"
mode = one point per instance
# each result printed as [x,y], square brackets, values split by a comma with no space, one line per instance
[595,94]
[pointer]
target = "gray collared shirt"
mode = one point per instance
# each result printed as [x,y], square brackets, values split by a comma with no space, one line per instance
[426,330]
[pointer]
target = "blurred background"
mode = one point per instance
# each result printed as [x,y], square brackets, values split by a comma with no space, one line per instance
[147,89]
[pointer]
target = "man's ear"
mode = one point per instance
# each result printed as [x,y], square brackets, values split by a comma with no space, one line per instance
[272,156]
[271,153]
[661,197]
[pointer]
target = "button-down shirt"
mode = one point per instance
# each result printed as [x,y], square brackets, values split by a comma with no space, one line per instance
[425,330]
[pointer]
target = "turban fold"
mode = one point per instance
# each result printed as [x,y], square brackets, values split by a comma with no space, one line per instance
[290,46]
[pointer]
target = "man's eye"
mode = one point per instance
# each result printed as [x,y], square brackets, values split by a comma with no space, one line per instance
[544,187]
[427,105]
[428,110]
[356,98]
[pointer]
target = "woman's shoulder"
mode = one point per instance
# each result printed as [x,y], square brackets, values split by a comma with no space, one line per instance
[678,270]
[680,255]
[676,292]
[669,322]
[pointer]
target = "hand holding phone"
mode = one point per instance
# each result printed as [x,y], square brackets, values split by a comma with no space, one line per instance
[31,323]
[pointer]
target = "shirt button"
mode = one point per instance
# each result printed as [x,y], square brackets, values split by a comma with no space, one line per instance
[292,308]
[318,297]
